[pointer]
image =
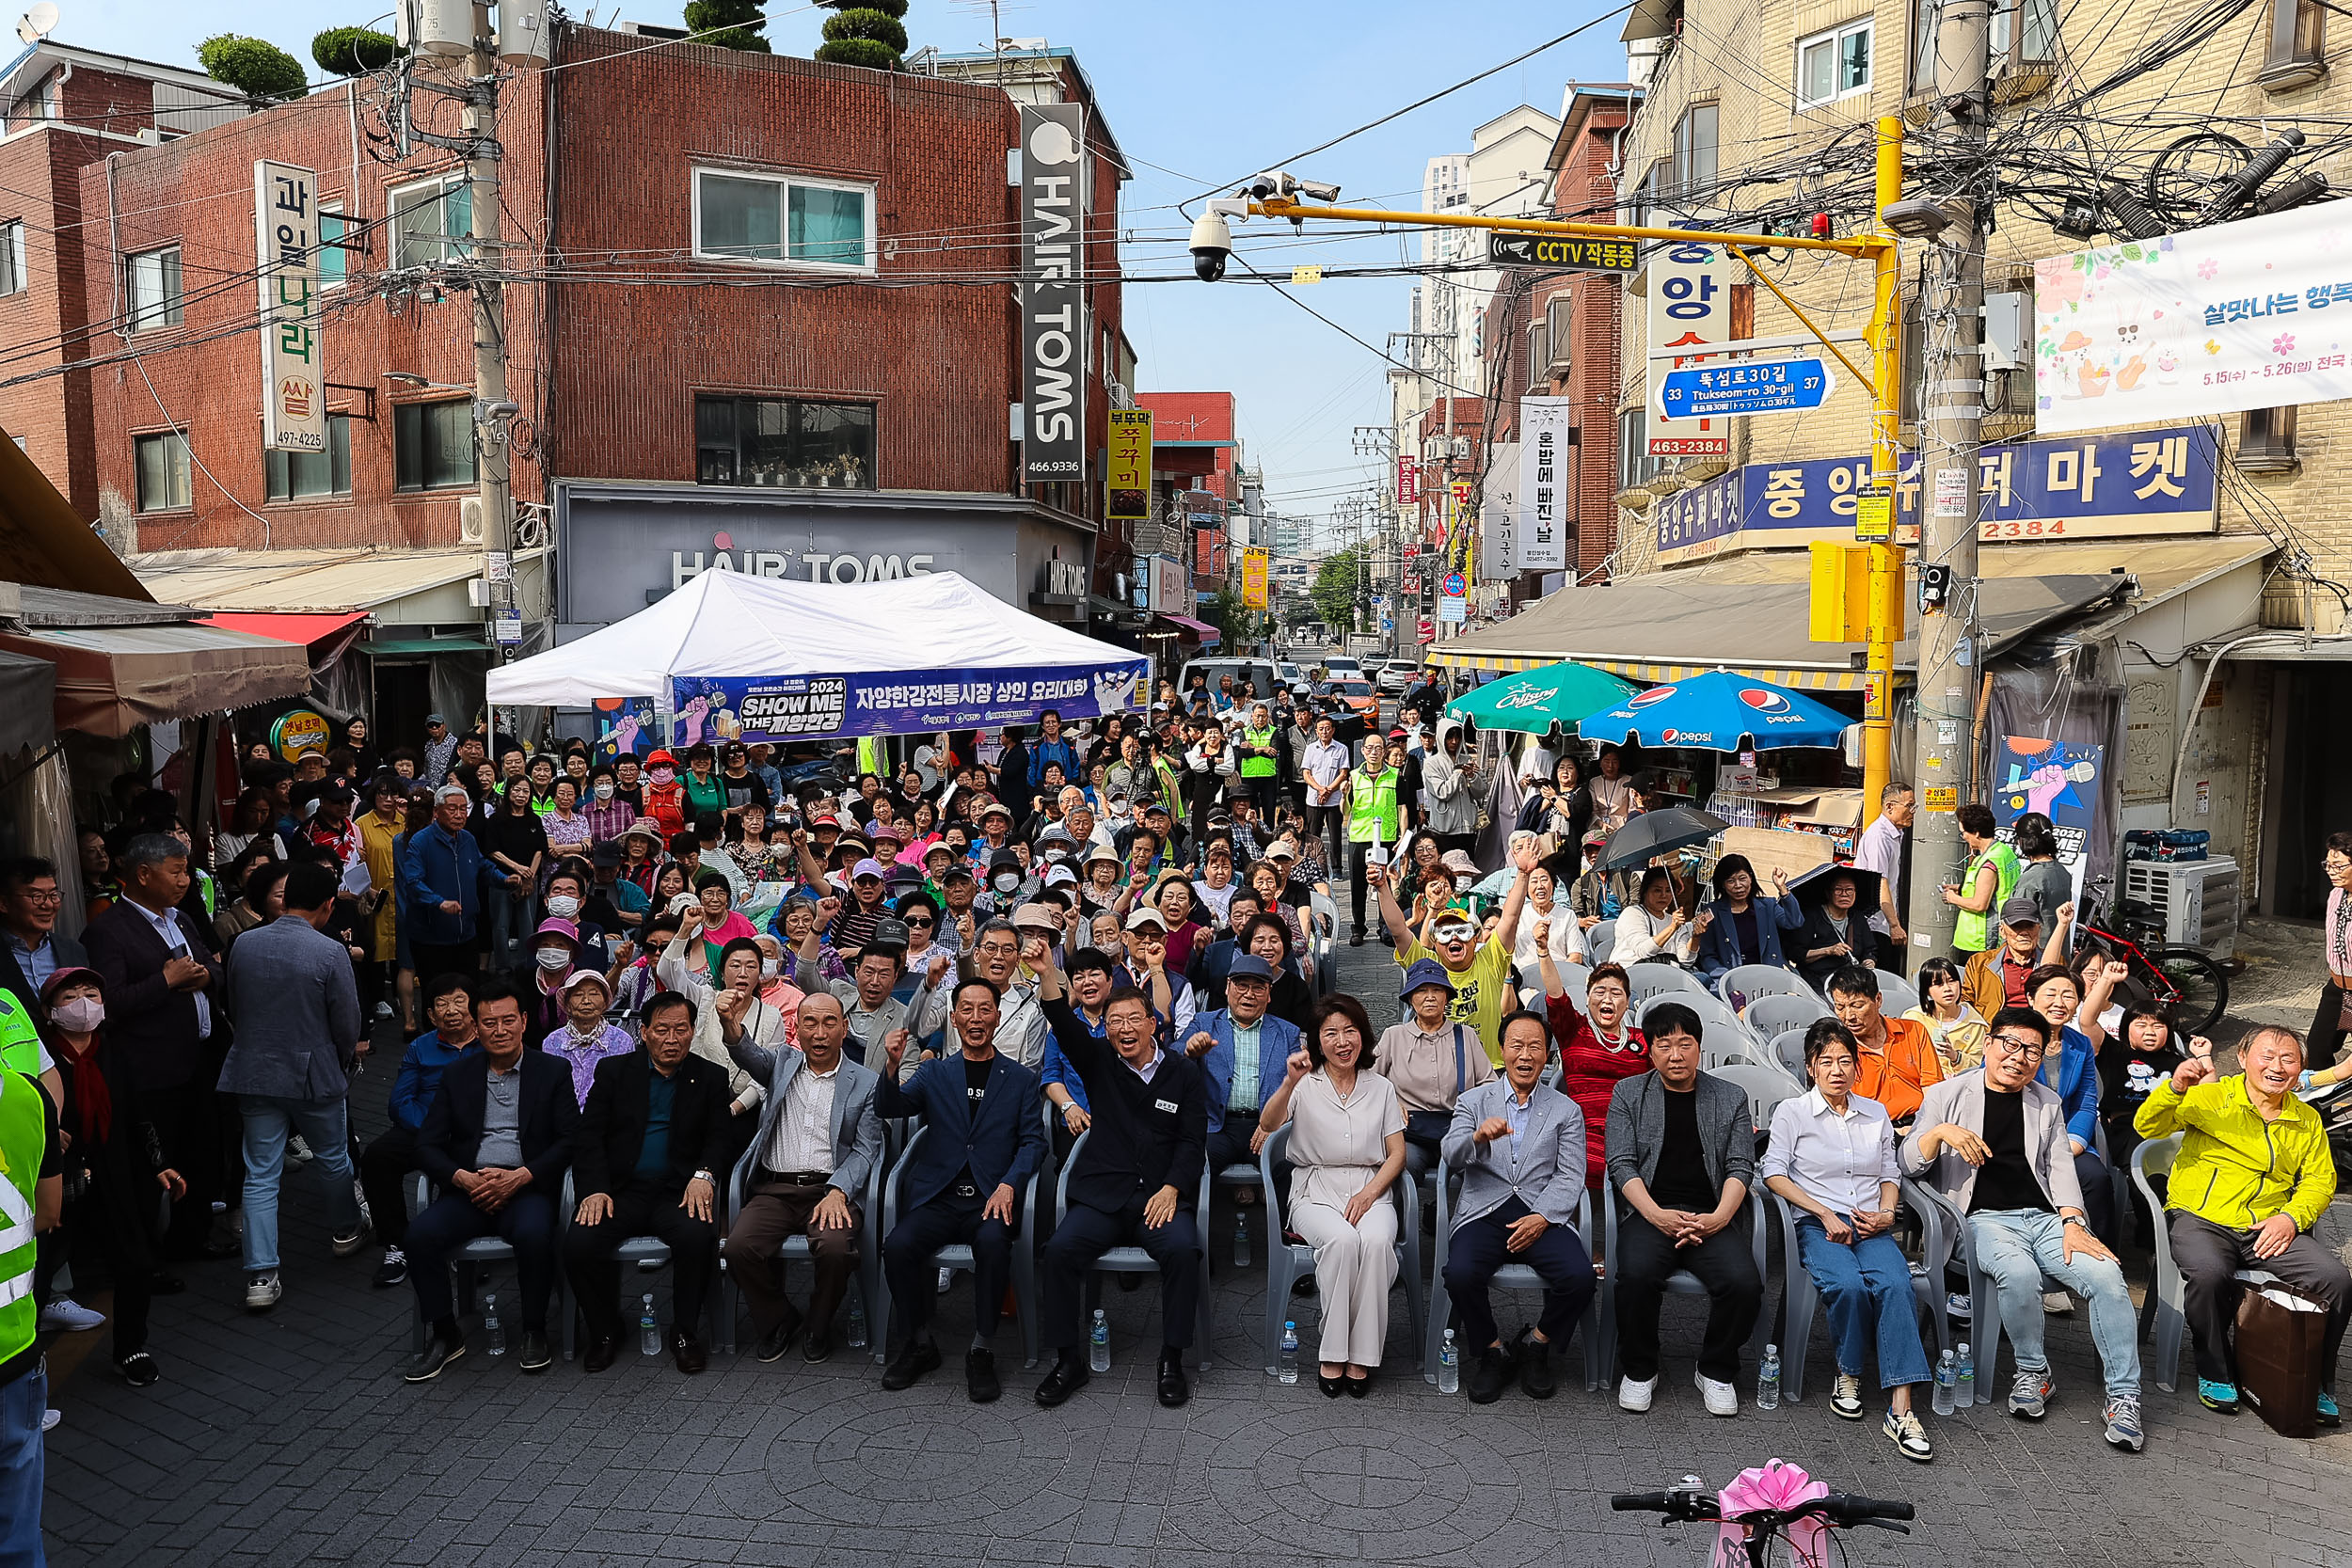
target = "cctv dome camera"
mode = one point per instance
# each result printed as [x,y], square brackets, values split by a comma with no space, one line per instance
[1212,242]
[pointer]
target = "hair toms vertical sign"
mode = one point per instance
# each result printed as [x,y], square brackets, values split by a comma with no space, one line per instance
[1053,311]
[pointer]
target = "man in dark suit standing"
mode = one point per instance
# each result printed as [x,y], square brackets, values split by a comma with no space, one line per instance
[162,983]
[496,1142]
[982,1139]
[1135,1182]
[642,1165]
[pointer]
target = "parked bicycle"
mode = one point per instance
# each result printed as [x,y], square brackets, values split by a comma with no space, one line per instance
[2185,982]
[1776,1503]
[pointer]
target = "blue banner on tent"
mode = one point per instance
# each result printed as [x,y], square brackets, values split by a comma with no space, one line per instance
[780,708]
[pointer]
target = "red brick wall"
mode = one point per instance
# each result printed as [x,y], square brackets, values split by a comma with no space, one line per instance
[42,323]
[106,101]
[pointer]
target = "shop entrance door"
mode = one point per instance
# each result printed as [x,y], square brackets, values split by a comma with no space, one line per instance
[2315,792]
[403,695]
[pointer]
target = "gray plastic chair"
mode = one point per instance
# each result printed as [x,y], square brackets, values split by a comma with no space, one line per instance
[1594,1330]
[1739,986]
[958,1254]
[1800,1296]
[1133,1259]
[651,1250]
[1659,980]
[867,1281]
[2166,1288]
[1682,1282]
[471,1258]
[1288,1262]
[1768,1015]
[1765,1086]
[1896,995]
[1789,1051]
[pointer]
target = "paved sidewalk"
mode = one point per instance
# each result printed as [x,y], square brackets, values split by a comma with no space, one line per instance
[290,1438]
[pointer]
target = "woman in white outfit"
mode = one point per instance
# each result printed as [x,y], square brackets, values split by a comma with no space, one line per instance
[1346,1150]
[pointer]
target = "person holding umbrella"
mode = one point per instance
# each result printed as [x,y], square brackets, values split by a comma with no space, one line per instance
[1838,925]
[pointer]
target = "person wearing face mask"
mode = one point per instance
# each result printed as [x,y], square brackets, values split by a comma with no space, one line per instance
[1452,785]
[665,796]
[568,899]
[609,815]
[554,954]
[1007,884]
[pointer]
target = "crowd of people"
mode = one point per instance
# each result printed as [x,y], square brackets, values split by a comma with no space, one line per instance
[703,995]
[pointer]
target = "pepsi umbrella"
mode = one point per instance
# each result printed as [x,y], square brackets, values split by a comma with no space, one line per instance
[1714,711]
[1534,700]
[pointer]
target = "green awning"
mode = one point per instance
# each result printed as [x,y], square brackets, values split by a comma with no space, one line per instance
[411,647]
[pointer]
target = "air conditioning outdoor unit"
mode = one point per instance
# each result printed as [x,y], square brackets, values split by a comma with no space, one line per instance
[2197,900]
[469,520]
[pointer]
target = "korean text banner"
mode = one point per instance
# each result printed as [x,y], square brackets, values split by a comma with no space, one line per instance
[2253,314]
[1545,476]
[775,709]
[1127,487]
[285,240]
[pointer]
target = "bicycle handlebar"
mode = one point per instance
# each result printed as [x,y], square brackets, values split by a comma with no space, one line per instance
[1641,1502]
[1847,1509]
[1839,1508]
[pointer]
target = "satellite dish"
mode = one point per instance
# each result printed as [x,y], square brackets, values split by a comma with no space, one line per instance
[37,22]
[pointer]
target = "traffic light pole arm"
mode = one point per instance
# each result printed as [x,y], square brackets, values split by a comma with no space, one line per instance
[1877,392]
[1858,246]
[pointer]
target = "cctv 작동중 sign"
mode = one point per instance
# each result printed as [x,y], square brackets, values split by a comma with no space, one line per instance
[1053,299]
[1561,252]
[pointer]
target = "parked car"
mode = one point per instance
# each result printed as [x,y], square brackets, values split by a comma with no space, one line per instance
[1358,694]
[1396,676]
[1257,675]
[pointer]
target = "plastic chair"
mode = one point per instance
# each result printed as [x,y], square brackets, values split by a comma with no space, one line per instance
[1600,939]
[1133,1259]
[1800,1296]
[1739,986]
[1720,1047]
[1657,980]
[472,1257]
[1765,1086]
[1896,995]
[1949,1230]
[1287,1261]
[795,1250]
[2166,1288]
[1768,1015]
[1682,1282]
[958,1254]
[653,1250]
[1510,1277]
[1788,1049]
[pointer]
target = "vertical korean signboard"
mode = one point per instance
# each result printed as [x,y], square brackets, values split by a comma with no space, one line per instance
[1053,299]
[1408,480]
[1689,314]
[285,241]
[1127,487]
[1253,579]
[1542,535]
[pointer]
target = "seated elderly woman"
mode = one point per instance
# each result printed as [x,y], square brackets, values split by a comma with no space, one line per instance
[1837,933]
[1347,1151]
[1832,1158]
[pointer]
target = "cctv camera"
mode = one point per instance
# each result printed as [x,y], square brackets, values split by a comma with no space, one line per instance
[1326,194]
[1212,242]
[1267,184]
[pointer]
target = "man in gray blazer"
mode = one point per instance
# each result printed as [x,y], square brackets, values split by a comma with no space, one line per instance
[1682,1157]
[819,1141]
[1993,1141]
[1519,1146]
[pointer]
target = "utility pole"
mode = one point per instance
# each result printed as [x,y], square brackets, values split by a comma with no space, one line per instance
[490,405]
[1951,412]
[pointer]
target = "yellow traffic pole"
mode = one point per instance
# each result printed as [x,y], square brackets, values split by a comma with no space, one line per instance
[1885,562]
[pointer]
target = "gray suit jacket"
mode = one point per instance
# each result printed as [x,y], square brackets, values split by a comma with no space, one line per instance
[1637,1126]
[1960,1101]
[1548,1174]
[857,1136]
[291,993]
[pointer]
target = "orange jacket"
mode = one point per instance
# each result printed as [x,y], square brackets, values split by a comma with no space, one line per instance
[1897,1077]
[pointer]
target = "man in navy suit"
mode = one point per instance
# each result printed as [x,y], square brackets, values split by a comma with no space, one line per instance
[1245,1053]
[983,1138]
[496,1142]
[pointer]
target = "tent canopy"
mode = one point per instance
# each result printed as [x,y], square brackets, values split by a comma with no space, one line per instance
[731,625]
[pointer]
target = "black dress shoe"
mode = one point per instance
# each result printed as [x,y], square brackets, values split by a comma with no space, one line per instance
[600,1354]
[980,1375]
[1175,1391]
[778,1339]
[1534,1358]
[689,1353]
[1490,1375]
[1356,941]
[439,1353]
[533,1352]
[1332,1387]
[140,1370]
[817,1346]
[1069,1375]
[1303,1286]
[914,1359]
[1357,1387]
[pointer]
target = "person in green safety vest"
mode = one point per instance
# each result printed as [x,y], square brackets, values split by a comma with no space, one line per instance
[1985,883]
[1373,821]
[1260,758]
[32,1194]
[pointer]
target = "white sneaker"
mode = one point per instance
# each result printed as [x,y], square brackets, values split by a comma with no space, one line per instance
[1909,1437]
[346,1245]
[67,1316]
[50,1418]
[1636,1396]
[383,1009]
[947,1280]
[1722,1398]
[261,1291]
[1845,1397]
[1960,1306]
[297,1150]
[2057,1304]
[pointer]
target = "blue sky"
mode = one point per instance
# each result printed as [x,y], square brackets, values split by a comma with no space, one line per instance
[1208,91]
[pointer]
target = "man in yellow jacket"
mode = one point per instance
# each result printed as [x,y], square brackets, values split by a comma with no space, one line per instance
[2253,1176]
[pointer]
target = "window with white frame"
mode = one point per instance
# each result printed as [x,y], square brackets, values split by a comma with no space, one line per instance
[333,268]
[1834,63]
[432,222]
[783,220]
[154,279]
[13,279]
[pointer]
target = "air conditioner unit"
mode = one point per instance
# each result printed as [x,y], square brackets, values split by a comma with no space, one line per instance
[469,520]
[2197,900]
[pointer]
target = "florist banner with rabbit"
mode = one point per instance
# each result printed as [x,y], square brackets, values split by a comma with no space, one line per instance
[2253,314]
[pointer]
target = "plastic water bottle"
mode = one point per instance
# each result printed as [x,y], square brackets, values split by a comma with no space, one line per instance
[1946,1375]
[1287,1367]
[648,1327]
[857,1324]
[1241,1241]
[1099,1344]
[1767,1380]
[1964,1378]
[1449,1365]
[493,1331]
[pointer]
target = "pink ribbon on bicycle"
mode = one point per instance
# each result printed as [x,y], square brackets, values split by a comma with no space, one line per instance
[1776,1485]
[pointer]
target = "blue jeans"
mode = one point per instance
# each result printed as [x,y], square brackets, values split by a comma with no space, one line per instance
[22,1464]
[1869,1280]
[324,1125]
[511,925]
[2017,1246]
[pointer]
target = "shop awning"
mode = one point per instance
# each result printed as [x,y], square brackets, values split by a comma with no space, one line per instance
[1198,631]
[112,679]
[302,631]
[29,696]
[418,647]
[316,582]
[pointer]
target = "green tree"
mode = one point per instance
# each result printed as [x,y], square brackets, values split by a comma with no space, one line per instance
[740,24]
[353,51]
[1339,590]
[255,67]
[865,33]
